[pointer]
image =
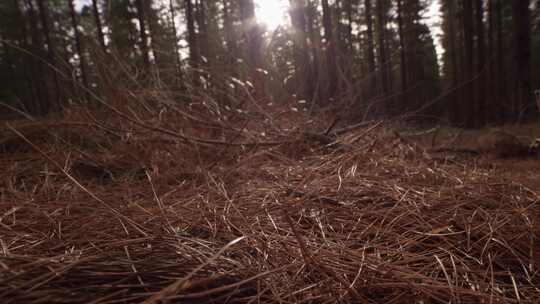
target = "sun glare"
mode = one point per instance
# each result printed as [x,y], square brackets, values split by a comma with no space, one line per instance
[271,13]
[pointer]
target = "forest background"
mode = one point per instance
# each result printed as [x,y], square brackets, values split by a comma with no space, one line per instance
[368,58]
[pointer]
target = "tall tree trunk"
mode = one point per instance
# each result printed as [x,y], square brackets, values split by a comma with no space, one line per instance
[40,76]
[252,31]
[28,62]
[203,30]
[331,54]
[301,53]
[383,56]
[99,26]
[491,98]
[402,53]
[193,43]
[315,79]
[8,60]
[522,55]
[350,21]
[501,85]
[254,43]
[230,38]
[370,49]
[230,42]
[480,103]
[78,43]
[143,35]
[455,98]
[468,32]
[51,57]
[177,58]
[154,38]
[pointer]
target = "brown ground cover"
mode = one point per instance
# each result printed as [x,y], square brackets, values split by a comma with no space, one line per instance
[104,210]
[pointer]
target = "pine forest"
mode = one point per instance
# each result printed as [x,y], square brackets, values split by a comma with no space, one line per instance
[269,151]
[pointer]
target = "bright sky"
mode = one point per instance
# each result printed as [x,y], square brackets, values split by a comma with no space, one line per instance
[79,3]
[272,13]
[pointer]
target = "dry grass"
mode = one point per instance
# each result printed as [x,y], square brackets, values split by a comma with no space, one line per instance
[181,207]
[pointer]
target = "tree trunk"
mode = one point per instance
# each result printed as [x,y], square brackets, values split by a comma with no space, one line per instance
[402,52]
[453,44]
[304,84]
[99,26]
[254,43]
[502,86]
[51,57]
[491,80]
[315,79]
[522,56]
[155,39]
[370,49]
[384,63]
[177,58]
[468,31]
[230,40]
[39,76]
[145,53]
[480,95]
[252,31]
[203,31]
[8,60]
[78,44]
[194,55]
[350,21]
[28,62]
[331,55]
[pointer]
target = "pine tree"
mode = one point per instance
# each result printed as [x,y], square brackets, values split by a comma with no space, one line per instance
[302,65]
[522,56]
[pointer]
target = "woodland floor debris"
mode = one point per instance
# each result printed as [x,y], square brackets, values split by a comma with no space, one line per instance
[376,220]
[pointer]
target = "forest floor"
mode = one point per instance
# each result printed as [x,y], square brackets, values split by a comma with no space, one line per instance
[130,212]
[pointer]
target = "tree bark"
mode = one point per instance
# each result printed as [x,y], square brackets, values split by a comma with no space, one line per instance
[384,63]
[99,26]
[194,55]
[522,56]
[315,78]
[468,32]
[305,89]
[51,57]
[203,30]
[480,89]
[455,98]
[402,52]
[145,53]
[370,49]
[331,55]
[252,33]
[501,85]
[229,32]
[30,67]
[78,43]
[177,58]
[155,39]
[350,21]
[491,80]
